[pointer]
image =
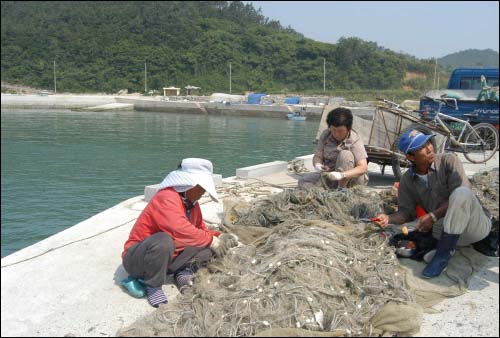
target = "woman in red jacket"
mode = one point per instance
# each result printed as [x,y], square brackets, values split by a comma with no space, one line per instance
[170,236]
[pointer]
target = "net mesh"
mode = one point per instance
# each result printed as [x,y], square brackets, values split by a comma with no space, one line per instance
[310,266]
[306,266]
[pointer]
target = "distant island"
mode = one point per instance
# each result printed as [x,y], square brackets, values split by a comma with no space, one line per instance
[471,58]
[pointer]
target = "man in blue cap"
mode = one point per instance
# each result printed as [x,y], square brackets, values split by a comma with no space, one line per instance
[439,184]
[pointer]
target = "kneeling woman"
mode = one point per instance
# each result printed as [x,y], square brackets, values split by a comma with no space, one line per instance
[170,236]
[340,152]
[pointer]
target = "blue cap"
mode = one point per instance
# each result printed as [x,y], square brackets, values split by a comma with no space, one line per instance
[412,140]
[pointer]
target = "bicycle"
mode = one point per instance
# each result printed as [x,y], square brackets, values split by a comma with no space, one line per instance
[478,142]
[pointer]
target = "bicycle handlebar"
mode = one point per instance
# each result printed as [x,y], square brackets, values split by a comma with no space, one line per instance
[445,100]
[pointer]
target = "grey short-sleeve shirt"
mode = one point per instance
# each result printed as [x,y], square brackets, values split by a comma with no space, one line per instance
[445,175]
[328,149]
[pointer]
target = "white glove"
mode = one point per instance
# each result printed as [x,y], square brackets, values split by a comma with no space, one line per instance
[318,167]
[218,247]
[215,243]
[335,175]
[229,240]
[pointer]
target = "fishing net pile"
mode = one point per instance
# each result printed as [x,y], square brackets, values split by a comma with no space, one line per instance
[306,266]
[297,166]
[485,185]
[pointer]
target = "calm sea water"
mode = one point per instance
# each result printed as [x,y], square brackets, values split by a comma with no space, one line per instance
[62,167]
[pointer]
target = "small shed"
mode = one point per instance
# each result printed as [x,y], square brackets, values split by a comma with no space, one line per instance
[171,91]
[190,89]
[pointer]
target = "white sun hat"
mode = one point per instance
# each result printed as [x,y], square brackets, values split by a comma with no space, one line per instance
[192,171]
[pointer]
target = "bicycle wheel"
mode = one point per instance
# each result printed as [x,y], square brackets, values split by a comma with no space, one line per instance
[481,143]
[399,162]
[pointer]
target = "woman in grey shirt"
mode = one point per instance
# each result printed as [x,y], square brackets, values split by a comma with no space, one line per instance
[340,152]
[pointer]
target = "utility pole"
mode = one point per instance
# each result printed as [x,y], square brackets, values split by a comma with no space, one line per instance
[324,75]
[145,80]
[230,78]
[55,88]
[435,70]
[438,77]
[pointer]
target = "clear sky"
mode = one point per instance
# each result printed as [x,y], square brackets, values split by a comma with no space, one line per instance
[424,29]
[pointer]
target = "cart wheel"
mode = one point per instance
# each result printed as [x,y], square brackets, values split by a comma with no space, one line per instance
[399,162]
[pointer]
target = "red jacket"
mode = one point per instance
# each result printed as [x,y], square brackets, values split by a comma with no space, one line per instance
[166,212]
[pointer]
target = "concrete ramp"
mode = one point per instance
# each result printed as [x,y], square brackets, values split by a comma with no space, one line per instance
[110,107]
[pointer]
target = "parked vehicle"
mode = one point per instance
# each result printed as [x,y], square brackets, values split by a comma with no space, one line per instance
[478,143]
[470,78]
[476,94]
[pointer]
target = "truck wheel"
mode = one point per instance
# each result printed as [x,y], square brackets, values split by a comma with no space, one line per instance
[399,162]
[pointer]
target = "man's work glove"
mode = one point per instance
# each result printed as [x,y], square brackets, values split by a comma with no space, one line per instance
[335,175]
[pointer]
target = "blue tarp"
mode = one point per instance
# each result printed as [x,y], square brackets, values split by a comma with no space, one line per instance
[255,98]
[292,100]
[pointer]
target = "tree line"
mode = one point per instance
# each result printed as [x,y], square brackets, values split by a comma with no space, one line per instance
[103,46]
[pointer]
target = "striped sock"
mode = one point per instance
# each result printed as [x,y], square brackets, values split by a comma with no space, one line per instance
[156,296]
[184,280]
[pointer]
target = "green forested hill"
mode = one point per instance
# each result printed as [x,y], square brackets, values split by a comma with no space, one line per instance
[103,46]
[474,58]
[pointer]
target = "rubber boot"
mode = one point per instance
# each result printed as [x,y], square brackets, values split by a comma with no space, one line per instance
[444,250]
[134,286]
[430,255]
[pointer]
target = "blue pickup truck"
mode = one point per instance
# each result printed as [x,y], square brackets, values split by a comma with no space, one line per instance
[476,94]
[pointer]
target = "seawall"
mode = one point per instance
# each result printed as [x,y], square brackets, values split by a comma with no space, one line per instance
[13,101]
[312,111]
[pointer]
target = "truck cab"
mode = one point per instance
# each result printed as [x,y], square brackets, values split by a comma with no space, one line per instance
[470,78]
[466,86]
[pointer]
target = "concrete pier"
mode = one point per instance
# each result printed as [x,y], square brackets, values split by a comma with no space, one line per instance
[158,105]
[278,111]
[261,169]
[110,107]
[13,101]
[68,284]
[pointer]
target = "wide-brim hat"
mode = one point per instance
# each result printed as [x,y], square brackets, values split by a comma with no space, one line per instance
[413,140]
[192,172]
